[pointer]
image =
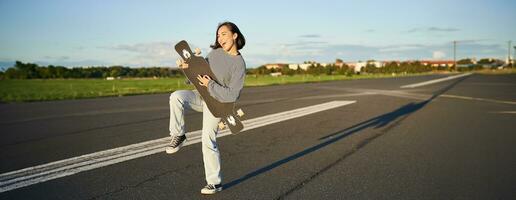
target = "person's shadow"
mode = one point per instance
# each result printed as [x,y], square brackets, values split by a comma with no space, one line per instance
[376,122]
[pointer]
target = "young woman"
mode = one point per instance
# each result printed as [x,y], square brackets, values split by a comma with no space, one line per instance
[228,66]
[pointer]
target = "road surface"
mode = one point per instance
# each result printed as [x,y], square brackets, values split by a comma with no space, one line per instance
[359,139]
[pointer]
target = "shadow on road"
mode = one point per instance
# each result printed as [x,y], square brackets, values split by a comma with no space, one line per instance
[376,122]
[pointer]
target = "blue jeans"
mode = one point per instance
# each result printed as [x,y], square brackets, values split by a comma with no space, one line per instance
[187,99]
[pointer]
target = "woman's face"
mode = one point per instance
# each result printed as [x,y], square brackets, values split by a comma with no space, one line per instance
[226,38]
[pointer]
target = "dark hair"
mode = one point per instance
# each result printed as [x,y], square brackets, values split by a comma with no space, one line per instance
[240,41]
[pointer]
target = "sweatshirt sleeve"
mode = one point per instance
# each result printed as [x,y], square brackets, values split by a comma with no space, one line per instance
[231,92]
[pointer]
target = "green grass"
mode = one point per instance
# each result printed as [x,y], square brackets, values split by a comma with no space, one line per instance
[251,80]
[497,72]
[52,89]
[58,89]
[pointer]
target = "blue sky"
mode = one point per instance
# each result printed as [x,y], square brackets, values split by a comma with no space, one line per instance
[142,33]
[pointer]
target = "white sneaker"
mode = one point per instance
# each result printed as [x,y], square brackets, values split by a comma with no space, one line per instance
[175,144]
[211,189]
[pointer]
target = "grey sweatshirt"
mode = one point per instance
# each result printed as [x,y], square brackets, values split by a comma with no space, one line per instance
[230,74]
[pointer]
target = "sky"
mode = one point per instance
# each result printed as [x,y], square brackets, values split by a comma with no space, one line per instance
[142,33]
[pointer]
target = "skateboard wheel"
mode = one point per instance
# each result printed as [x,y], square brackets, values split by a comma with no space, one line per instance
[240,113]
[222,125]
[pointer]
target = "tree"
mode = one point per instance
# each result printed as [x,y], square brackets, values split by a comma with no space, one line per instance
[467,61]
[115,71]
[345,70]
[393,67]
[486,61]
[11,73]
[315,69]
[329,69]
[370,68]
[285,70]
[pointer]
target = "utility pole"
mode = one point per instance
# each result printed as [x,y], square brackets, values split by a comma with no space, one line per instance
[509,60]
[514,56]
[455,54]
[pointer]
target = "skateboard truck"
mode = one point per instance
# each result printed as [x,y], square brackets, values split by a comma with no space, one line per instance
[239,113]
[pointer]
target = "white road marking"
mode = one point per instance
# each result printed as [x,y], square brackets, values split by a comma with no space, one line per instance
[361,92]
[398,93]
[505,112]
[477,99]
[334,96]
[41,173]
[435,81]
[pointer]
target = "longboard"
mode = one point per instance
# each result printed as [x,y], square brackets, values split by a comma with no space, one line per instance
[197,65]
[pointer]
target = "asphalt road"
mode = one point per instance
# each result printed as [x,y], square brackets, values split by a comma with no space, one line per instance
[450,140]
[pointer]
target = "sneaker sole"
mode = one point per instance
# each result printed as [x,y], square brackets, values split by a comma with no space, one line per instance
[173,150]
[212,191]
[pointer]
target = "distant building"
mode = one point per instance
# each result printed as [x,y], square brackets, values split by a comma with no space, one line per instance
[467,62]
[275,65]
[304,66]
[377,64]
[438,63]
[386,62]
[339,63]
[275,74]
[110,78]
[293,66]
[357,66]
[491,62]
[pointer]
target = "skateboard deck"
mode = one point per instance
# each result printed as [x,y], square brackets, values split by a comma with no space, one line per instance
[197,65]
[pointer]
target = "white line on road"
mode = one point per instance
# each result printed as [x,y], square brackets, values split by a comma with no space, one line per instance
[434,81]
[477,99]
[505,112]
[41,173]
[361,92]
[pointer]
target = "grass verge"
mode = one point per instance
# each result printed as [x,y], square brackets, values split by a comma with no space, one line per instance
[59,89]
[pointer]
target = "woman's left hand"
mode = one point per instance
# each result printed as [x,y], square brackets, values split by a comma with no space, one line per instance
[203,80]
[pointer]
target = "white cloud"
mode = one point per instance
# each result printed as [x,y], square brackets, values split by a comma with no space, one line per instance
[438,55]
[311,36]
[433,29]
[148,54]
[398,48]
